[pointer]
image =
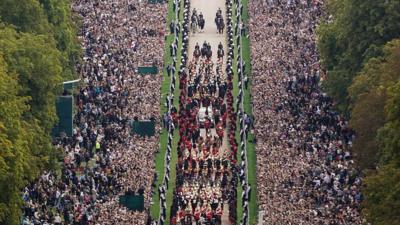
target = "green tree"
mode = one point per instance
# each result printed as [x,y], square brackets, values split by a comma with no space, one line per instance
[369,98]
[366,118]
[27,113]
[38,50]
[17,164]
[375,116]
[46,17]
[389,135]
[64,31]
[25,15]
[356,34]
[37,62]
[382,195]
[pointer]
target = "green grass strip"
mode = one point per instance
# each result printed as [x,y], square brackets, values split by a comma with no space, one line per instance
[160,157]
[251,154]
[239,208]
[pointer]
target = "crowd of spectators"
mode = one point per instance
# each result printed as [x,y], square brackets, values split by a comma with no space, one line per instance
[305,171]
[103,159]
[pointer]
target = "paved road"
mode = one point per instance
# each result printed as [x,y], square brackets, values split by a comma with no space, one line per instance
[209,34]
[209,8]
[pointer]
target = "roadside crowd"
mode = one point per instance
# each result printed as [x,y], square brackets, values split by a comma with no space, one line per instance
[305,171]
[103,159]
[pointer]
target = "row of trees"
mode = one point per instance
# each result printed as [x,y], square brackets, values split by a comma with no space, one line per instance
[38,50]
[359,46]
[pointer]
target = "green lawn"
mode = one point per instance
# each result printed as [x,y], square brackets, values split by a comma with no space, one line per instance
[251,154]
[160,157]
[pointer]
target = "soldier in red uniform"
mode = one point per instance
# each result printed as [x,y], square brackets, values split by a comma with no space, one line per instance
[197,214]
[173,220]
[224,116]
[209,214]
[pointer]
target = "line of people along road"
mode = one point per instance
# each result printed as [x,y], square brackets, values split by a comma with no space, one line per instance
[103,160]
[305,171]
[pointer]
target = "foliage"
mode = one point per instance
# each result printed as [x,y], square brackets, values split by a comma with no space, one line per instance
[19,163]
[25,15]
[369,94]
[375,116]
[46,17]
[382,202]
[359,50]
[389,135]
[36,60]
[38,50]
[357,33]
[367,118]
[64,31]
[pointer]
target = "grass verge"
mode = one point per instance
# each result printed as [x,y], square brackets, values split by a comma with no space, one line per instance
[160,157]
[251,153]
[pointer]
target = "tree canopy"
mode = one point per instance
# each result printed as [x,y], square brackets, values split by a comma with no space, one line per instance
[356,33]
[46,17]
[38,50]
[375,116]
[359,47]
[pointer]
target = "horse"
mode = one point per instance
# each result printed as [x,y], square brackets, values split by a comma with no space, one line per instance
[209,53]
[219,13]
[220,24]
[201,23]
[204,49]
[193,26]
[194,23]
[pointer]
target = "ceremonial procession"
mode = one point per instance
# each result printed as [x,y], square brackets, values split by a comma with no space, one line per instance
[206,168]
[199,112]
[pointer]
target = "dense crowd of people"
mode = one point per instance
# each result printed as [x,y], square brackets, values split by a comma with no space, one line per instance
[305,170]
[104,159]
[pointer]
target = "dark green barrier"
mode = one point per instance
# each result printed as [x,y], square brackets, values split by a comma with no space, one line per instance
[155,1]
[64,105]
[147,70]
[132,202]
[144,128]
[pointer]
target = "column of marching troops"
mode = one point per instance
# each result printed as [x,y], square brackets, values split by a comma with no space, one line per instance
[169,121]
[244,127]
[185,209]
[243,121]
[232,131]
[180,211]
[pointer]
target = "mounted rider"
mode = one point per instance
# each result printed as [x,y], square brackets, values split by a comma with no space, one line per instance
[197,52]
[219,12]
[201,21]
[194,21]
[219,21]
[194,16]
